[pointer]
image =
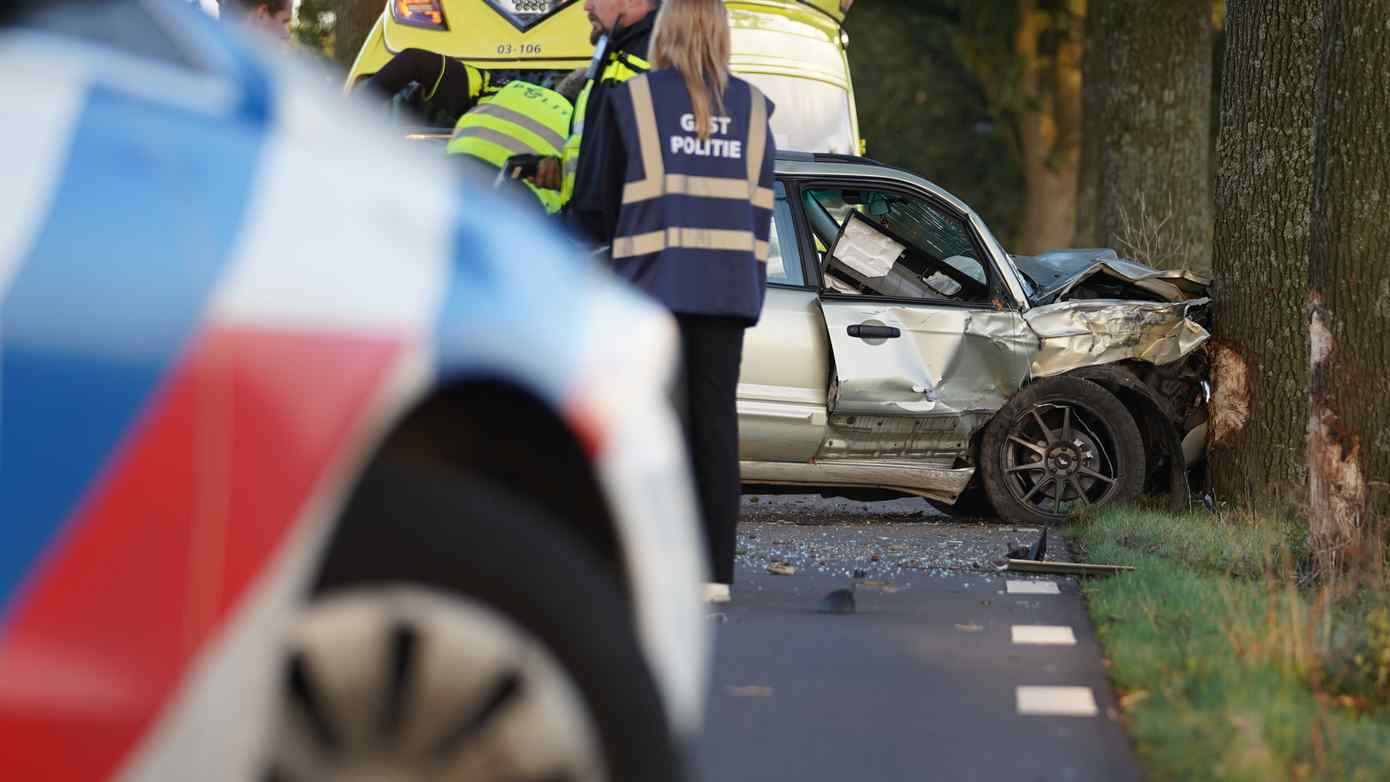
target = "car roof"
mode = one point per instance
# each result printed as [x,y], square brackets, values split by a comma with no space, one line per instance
[794,163]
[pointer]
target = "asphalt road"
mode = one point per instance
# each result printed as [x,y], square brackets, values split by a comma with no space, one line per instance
[920,682]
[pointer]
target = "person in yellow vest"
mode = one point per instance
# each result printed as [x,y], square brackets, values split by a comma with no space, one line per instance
[621,32]
[446,87]
[520,119]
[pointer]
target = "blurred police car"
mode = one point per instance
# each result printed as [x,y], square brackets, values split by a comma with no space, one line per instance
[272,507]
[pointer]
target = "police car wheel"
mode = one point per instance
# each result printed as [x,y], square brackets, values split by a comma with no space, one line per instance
[407,683]
[458,634]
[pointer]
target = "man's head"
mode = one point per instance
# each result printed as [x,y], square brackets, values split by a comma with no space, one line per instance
[271,17]
[604,15]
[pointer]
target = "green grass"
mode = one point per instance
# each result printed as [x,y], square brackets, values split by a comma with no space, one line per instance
[1223,666]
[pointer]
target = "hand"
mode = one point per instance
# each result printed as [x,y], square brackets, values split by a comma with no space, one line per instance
[548,174]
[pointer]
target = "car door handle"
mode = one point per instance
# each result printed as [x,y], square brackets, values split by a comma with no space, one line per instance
[872,331]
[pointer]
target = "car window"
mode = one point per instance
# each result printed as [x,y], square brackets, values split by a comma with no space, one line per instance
[881,243]
[784,257]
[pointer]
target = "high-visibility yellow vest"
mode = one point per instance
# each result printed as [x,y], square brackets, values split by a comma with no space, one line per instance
[520,119]
[620,67]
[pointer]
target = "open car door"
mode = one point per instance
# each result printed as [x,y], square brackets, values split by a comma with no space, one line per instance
[922,354]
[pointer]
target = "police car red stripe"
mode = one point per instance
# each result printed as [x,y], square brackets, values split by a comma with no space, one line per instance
[84,670]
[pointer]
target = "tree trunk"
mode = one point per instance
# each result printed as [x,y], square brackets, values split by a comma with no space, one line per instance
[1049,215]
[355,20]
[1031,77]
[1154,188]
[1095,77]
[1349,279]
[1264,189]
[1049,126]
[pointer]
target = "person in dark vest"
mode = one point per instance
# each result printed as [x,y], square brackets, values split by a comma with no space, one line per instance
[621,31]
[686,205]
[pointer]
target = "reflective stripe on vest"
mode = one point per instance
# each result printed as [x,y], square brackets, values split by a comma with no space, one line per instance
[658,183]
[520,119]
[618,70]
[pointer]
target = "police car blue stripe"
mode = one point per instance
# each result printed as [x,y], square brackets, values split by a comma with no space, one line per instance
[144,220]
[512,278]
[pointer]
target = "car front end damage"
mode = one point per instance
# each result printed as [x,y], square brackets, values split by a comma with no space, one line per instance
[1138,332]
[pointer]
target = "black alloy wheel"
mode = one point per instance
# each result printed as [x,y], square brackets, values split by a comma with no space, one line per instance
[1061,445]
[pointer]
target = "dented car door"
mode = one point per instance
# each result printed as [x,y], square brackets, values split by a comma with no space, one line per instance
[923,349]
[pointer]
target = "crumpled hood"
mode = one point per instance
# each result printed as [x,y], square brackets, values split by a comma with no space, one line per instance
[1055,274]
[1126,311]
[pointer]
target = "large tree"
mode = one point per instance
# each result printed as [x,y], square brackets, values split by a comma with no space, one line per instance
[1149,122]
[1026,55]
[1264,190]
[354,21]
[1349,278]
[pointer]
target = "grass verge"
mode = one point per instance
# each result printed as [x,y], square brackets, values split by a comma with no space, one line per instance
[1225,668]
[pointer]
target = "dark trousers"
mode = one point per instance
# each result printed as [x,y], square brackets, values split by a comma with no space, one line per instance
[713,349]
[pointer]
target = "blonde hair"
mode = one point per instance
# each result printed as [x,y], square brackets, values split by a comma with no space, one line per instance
[692,36]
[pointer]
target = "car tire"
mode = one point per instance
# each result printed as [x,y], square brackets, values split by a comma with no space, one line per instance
[435,580]
[972,503]
[1033,475]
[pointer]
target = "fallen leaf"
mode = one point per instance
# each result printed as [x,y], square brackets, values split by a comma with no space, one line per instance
[1131,699]
[781,569]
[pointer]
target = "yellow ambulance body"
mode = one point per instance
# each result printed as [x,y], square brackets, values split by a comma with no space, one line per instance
[793,50]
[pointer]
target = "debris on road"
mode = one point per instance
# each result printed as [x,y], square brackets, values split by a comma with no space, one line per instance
[1063,568]
[970,628]
[781,569]
[1039,550]
[750,691]
[841,601]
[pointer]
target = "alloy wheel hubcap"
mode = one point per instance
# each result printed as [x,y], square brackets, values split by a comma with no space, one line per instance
[1054,460]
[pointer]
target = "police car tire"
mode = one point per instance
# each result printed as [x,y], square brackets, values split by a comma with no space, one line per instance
[465,535]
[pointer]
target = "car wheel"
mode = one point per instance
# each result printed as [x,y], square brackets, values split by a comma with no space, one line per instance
[972,503]
[456,634]
[1060,445]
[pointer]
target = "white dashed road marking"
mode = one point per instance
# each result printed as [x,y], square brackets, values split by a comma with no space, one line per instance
[1053,635]
[1033,588]
[1057,701]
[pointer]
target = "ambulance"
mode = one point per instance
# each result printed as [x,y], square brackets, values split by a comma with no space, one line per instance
[795,51]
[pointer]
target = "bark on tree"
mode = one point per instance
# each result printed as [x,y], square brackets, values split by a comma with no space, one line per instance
[1264,191]
[1348,437]
[355,20]
[1094,78]
[1154,192]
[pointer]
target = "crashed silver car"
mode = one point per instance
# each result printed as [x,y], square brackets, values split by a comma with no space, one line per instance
[902,350]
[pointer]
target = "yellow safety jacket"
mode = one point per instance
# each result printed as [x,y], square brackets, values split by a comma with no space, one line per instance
[520,119]
[620,67]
